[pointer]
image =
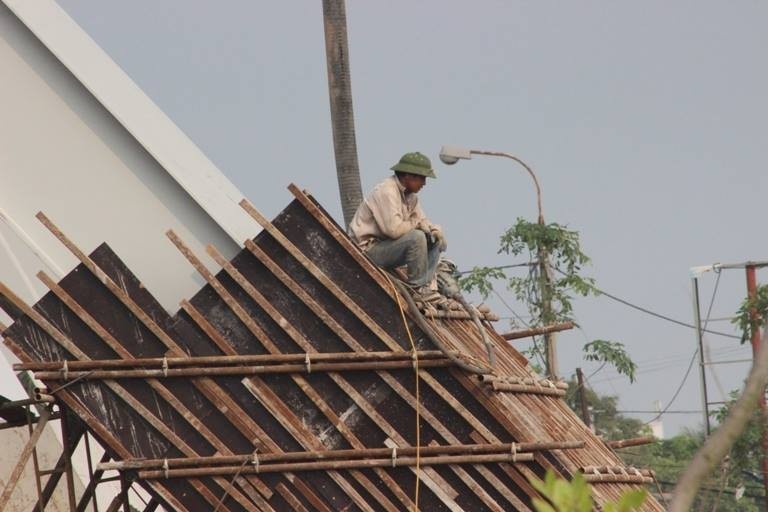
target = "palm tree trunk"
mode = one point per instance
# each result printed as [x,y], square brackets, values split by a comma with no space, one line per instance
[342,117]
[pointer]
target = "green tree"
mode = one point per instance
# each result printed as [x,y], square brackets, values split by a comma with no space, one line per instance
[739,473]
[735,484]
[548,300]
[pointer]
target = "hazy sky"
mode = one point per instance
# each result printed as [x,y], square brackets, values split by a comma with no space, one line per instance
[645,122]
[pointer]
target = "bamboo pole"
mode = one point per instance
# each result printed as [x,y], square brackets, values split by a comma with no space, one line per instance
[615,470]
[547,329]
[526,381]
[228,360]
[618,479]
[238,370]
[522,388]
[325,465]
[634,441]
[467,449]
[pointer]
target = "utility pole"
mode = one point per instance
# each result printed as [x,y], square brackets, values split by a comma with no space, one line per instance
[545,289]
[583,399]
[702,362]
[755,340]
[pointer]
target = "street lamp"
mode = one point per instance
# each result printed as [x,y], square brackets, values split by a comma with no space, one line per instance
[449,155]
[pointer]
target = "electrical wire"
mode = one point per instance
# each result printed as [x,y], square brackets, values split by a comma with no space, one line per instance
[418,400]
[629,304]
[695,352]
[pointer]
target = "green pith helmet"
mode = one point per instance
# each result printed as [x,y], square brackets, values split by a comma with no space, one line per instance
[415,163]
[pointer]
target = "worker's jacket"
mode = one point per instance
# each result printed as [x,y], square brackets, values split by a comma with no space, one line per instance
[388,212]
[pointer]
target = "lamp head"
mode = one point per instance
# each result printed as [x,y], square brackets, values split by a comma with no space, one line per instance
[449,155]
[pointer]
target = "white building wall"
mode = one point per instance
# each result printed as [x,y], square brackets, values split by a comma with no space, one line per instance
[63,153]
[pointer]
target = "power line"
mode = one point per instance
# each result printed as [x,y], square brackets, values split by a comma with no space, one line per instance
[663,317]
[695,352]
[625,302]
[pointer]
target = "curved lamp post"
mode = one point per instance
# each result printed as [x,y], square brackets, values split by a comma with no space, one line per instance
[449,155]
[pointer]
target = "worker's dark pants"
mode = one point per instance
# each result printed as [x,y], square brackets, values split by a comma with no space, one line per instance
[412,250]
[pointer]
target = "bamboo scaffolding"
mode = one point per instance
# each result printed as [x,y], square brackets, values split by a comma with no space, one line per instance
[618,479]
[257,467]
[457,315]
[514,335]
[238,370]
[635,441]
[468,449]
[203,361]
[615,470]
[526,381]
[524,388]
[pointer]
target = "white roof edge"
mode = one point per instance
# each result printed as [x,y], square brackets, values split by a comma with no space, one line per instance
[138,114]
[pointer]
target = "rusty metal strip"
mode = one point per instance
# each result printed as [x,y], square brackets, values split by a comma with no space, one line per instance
[260,334]
[231,303]
[345,336]
[68,345]
[474,486]
[304,344]
[118,292]
[333,229]
[438,486]
[449,437]
[201,384]
[504,387]
[341,238]
[354,441]
[390,431]
[305,490]
[123,297]
[288,496]
[320,275]
[370,323]
[211,331]
[282,413]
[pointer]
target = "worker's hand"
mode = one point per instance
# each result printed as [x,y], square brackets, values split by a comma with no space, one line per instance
[439,239]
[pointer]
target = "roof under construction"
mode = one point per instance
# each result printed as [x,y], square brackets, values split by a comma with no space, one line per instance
[297,378]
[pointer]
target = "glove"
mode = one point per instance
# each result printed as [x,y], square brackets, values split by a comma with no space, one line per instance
[439,240]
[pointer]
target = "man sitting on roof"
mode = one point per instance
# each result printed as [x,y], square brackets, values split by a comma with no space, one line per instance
[391,227]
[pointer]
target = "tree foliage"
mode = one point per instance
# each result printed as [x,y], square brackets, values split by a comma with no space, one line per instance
[576,496]
[613,353]
[736,482]
[548,300]
[758,304]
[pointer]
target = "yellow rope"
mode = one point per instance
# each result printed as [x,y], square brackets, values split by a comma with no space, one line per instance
[418,401]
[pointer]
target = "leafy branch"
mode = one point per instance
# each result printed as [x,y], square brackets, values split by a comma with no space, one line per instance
[576,496]
[757,304]
[548,300]
[613,353]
